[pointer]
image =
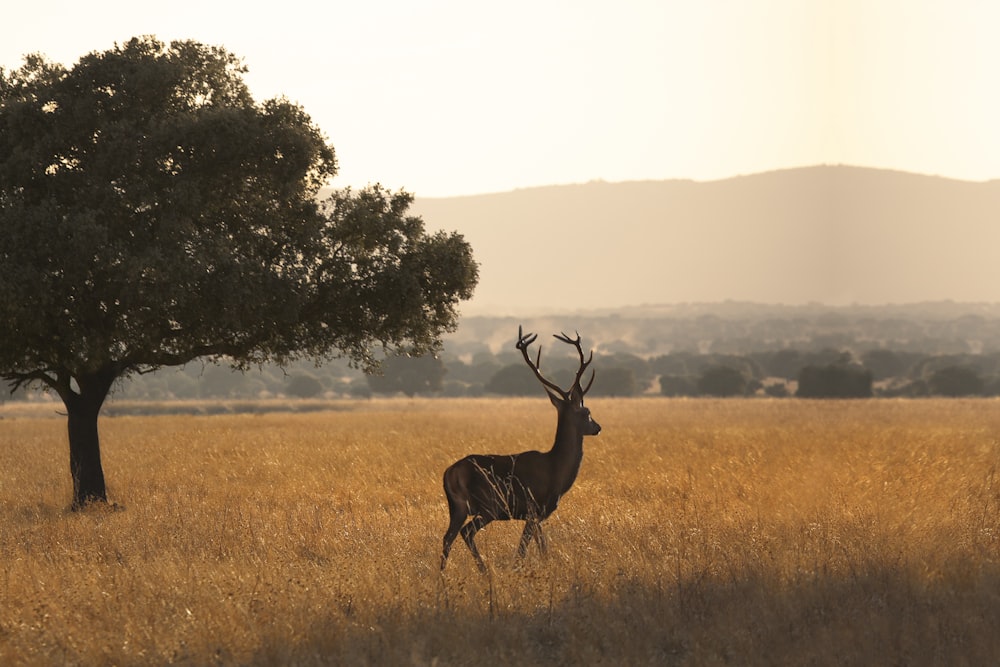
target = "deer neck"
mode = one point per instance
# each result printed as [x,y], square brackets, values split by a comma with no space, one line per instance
[567,451]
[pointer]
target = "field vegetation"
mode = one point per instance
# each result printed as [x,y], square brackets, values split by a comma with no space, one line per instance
[698,532]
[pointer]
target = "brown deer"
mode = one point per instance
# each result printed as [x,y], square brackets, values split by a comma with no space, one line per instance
[526,486]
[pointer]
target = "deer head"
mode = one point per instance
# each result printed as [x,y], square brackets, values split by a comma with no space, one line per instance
[569,402]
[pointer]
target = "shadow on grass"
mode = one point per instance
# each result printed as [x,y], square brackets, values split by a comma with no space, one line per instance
[880,616]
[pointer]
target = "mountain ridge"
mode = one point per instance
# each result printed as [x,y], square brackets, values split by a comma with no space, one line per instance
[768,172]
[828,234]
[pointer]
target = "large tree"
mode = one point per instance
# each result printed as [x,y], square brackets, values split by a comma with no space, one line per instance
[152,212]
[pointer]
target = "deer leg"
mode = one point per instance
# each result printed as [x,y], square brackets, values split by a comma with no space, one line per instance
[469,531]
[540,540]
[531,529]
[453,529]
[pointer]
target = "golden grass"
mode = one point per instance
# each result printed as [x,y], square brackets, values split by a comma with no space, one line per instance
[699,532]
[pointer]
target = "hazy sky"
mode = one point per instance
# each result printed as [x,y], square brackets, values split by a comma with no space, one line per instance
[457,97]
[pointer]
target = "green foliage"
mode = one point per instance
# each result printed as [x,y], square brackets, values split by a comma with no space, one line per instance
[836,380]
[884,363]
[785,364]
[677,364]
[616,381]
[722,381]
[514,380]
[955,381]
[640,368]
[677,385]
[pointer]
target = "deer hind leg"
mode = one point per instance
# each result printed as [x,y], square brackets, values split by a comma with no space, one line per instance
[453,529]
[543,545]
[532,530]
[469,531]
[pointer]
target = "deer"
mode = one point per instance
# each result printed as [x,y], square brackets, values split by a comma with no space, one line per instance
[527,486]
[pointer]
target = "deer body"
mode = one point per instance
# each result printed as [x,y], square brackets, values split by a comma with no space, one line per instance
[525,486]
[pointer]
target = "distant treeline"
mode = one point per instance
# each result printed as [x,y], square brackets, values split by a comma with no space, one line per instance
[941,349]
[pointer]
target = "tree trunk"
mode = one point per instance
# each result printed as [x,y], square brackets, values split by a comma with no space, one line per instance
[82,411]
[85,454]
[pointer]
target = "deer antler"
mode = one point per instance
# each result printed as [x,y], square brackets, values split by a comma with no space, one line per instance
[523,341]
[583,364]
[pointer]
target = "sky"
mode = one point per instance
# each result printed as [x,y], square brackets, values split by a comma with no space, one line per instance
[447,97]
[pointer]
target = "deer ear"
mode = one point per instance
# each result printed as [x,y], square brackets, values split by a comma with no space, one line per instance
[556,400]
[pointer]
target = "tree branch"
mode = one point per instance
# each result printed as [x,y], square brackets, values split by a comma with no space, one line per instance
[151,361]
[17,380]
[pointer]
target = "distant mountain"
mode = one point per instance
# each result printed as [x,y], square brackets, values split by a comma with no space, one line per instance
[829,234]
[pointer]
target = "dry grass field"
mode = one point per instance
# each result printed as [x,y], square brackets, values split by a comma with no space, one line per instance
[699,532]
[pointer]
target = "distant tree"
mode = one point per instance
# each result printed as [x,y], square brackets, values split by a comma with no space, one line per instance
[785,364]
[677,385]
[676,364]
[484,365]
[153,213]
[722,381]
[640,367]
[837,380]
[827,356]
[410,375]
[991,386]
[745,365]
[616,381]
[955,381]
[513,380]
[303,385]
[480,373]
[884,364]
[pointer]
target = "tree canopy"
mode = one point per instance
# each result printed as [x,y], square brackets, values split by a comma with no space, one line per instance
[152,212]
[836,380]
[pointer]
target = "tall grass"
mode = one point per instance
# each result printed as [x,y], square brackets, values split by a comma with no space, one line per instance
[698,532]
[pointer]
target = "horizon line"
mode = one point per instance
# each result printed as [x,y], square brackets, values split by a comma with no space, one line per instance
[601,181]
